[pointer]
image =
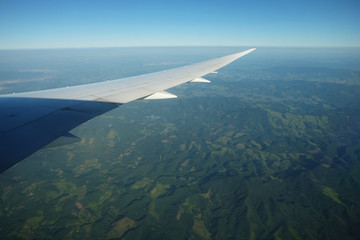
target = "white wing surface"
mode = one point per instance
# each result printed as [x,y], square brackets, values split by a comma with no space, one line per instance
[32,120]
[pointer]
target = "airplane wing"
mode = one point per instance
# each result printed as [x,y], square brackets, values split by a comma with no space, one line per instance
[29,121]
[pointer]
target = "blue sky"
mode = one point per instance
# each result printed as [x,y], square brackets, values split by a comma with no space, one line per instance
[59,24]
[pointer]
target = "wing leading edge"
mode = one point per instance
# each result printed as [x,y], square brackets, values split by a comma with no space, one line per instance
[32,120]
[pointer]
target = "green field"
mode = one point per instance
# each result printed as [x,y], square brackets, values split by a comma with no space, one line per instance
[263,152]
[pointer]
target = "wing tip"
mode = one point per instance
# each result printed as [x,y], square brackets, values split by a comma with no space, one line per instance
[249,50]
[243,53]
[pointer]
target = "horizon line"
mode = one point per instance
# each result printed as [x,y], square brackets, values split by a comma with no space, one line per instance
[163,46]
